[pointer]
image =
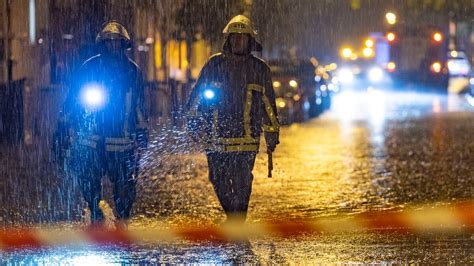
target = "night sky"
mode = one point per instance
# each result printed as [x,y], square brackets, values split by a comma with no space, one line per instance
[320,27]
[317,28]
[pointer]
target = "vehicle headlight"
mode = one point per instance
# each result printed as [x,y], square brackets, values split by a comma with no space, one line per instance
[281,103]
[436,67]
[345,75]
[93,95]
[293,83]
[375,74]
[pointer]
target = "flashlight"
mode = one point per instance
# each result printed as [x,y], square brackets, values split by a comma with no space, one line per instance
[93,96]
[209,94]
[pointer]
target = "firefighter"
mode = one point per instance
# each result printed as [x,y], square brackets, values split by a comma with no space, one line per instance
[104,123]
[232,102]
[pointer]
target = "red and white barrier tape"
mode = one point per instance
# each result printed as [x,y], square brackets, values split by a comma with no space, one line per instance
[456,218]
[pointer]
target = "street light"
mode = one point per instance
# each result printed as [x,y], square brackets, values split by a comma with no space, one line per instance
[437,37]
[391,36]
[368,52]
[293,83]
[391,66]
[369,43]
[391,18]
[346,52]
[436,67]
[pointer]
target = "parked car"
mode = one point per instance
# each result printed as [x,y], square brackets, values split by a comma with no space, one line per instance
[299,95]
[326,85]
[458,64]
[460,73]
[289,98]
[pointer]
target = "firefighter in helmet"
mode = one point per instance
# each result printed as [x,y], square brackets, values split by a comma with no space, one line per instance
[106,124]
[231,104]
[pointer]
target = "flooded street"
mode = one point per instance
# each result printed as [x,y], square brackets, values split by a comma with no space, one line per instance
[336,132]
[367,154]
[375,151]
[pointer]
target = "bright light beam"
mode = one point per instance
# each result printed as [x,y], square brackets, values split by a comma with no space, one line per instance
[93,95]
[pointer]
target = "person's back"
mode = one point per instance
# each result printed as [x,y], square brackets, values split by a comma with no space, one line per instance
[231,104]
[233,79]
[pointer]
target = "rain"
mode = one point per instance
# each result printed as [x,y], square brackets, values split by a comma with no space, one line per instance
[149,132]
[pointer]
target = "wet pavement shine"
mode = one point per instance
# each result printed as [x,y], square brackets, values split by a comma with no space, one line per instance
[374,151]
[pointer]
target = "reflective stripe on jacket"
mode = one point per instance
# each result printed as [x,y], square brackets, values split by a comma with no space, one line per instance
[122,114]
[110,144]
[232,102]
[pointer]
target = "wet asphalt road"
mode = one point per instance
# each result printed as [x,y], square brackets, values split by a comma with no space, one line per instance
[374,150]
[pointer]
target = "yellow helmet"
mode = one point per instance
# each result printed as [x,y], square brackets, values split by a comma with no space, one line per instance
[240,24]
[113,30]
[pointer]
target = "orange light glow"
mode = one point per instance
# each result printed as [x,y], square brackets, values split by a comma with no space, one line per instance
[391,66]
[391,18]
[369,43]
[436,67]
[437,37]
[391,36]
[346,52]
[368,52]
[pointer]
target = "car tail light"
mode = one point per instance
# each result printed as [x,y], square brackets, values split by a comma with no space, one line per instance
[436,67]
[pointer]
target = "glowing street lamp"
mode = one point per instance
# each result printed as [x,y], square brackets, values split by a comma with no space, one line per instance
[368,52]
[391,66]
[391,18]
[293,83]
[369,43]
[437,37]
[391,36]
[436,67]
[346,52]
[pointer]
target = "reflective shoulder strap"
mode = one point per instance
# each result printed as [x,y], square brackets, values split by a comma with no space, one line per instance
[248,105]
[128,107]
[274,127]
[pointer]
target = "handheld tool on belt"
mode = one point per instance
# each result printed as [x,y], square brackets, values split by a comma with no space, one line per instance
[270,163]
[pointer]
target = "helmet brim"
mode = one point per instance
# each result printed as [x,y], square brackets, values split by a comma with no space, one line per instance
[255,46]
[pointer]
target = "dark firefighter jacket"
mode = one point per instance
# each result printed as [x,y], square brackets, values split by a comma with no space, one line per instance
[232,101]
[120,116]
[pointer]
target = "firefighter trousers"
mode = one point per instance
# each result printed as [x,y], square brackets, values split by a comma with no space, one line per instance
[231,176]
[89,165]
